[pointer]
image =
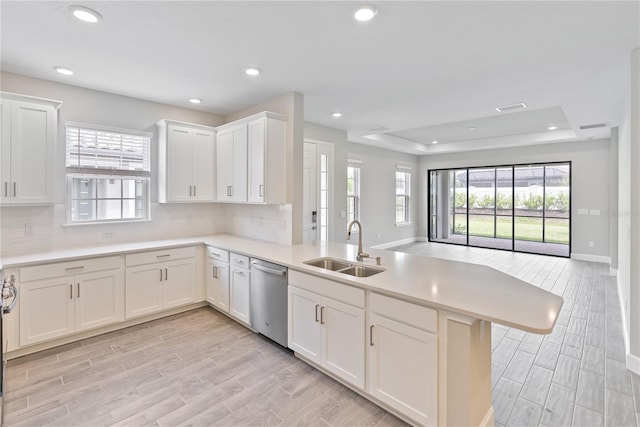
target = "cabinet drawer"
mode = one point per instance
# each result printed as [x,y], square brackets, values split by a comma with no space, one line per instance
[338,291]
[410,314]
[239,260]
[46,271]
[217,254]
[160,256]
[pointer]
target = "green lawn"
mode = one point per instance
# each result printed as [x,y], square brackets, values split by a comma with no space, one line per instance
[556,230]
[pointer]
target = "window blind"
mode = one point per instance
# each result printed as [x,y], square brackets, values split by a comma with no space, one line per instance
[96,148]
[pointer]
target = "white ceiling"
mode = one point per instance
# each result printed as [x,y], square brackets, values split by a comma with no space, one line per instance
[417,67]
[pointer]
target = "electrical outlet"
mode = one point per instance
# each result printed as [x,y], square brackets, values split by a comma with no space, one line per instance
[189,219]
[379,235]
[108,234]
[592,244]
[28,229]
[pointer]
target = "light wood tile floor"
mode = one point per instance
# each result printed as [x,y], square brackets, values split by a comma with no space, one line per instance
[198,368]
[574,376]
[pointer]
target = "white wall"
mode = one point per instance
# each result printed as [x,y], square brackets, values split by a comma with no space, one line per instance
[589,177]
[377,187]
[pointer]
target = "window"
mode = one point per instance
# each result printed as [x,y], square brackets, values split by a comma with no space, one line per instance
[403,196]
[353,190]
[107,174]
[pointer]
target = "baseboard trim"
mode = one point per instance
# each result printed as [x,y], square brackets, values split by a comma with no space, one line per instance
[591,258]
[488,419]
[633,363]
[396,243]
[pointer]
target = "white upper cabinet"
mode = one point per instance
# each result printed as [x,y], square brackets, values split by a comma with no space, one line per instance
[232,163]
[186,167]
[251,160]
[29,131]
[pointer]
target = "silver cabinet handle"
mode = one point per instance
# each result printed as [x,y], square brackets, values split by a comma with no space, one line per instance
[163,256]
[317,305]
[371,335]
[78,289]
[322,315]
[190,191]
[14,189]
[166,274]
[6,189]
[71,291]
[231,190]
[161,275]
[213,272]
[194,190]
[261,190]
[80,267]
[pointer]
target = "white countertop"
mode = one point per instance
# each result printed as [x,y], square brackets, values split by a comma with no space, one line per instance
[469,289]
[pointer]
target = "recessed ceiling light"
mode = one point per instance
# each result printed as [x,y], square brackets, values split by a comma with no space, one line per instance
[552,127]
[85,14]
[365,13]
[65,71]
[337,115]
[434,142]
[195,100]
[511,107]
[252,71]
[472,128]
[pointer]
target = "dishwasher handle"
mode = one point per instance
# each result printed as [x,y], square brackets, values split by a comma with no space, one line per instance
[267,269]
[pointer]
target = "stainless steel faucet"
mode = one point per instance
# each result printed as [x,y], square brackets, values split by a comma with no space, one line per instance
[361,255]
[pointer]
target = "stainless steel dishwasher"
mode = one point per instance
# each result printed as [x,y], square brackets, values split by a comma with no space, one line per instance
[269,300]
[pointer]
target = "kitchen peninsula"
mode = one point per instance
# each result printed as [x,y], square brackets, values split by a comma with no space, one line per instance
[414,338]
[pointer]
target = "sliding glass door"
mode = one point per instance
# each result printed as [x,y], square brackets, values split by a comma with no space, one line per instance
[517,207]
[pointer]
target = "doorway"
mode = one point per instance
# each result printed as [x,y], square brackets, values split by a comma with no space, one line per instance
[317,194]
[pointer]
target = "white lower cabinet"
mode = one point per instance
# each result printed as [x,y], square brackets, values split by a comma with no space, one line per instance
[156,286]
[402,368]
[53,307]
[240,294]
[218,284]
[329,333]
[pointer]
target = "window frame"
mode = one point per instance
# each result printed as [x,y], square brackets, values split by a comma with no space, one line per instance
[356,165]
[406,195]
[73,172]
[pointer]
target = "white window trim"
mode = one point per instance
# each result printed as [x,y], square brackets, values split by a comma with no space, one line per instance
[409,170]
[355,163]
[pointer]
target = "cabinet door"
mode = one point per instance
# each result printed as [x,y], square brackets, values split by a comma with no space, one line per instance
[46,309]
[256,140]
[203,169]
[402,369]
[218,284]
[33,133]
[179,164]
[239,298]
[5,151]
[305,333]
[224,165]
[343,341]
[239,187]
[143,293]
[179,282]
[99,299]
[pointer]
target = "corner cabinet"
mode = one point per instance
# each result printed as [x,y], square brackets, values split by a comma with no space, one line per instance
[65,298]
[251,160]
[185,162]
[29,131]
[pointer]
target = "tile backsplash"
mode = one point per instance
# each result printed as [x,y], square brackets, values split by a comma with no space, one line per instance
[35,229]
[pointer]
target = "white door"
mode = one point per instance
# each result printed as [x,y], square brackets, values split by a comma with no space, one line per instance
[343,341]
[240,160]
[203,170]
[179,166]
[239,299]
[5,151]
[224,162]
[403,368]
[99,299]
[179,283]
[310,193]
[218,284]
[256,161]
[304,323]
[143,290]
[32,131]
[46,309]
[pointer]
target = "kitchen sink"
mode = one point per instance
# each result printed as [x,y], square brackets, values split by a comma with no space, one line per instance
[329,263]
[344,266]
